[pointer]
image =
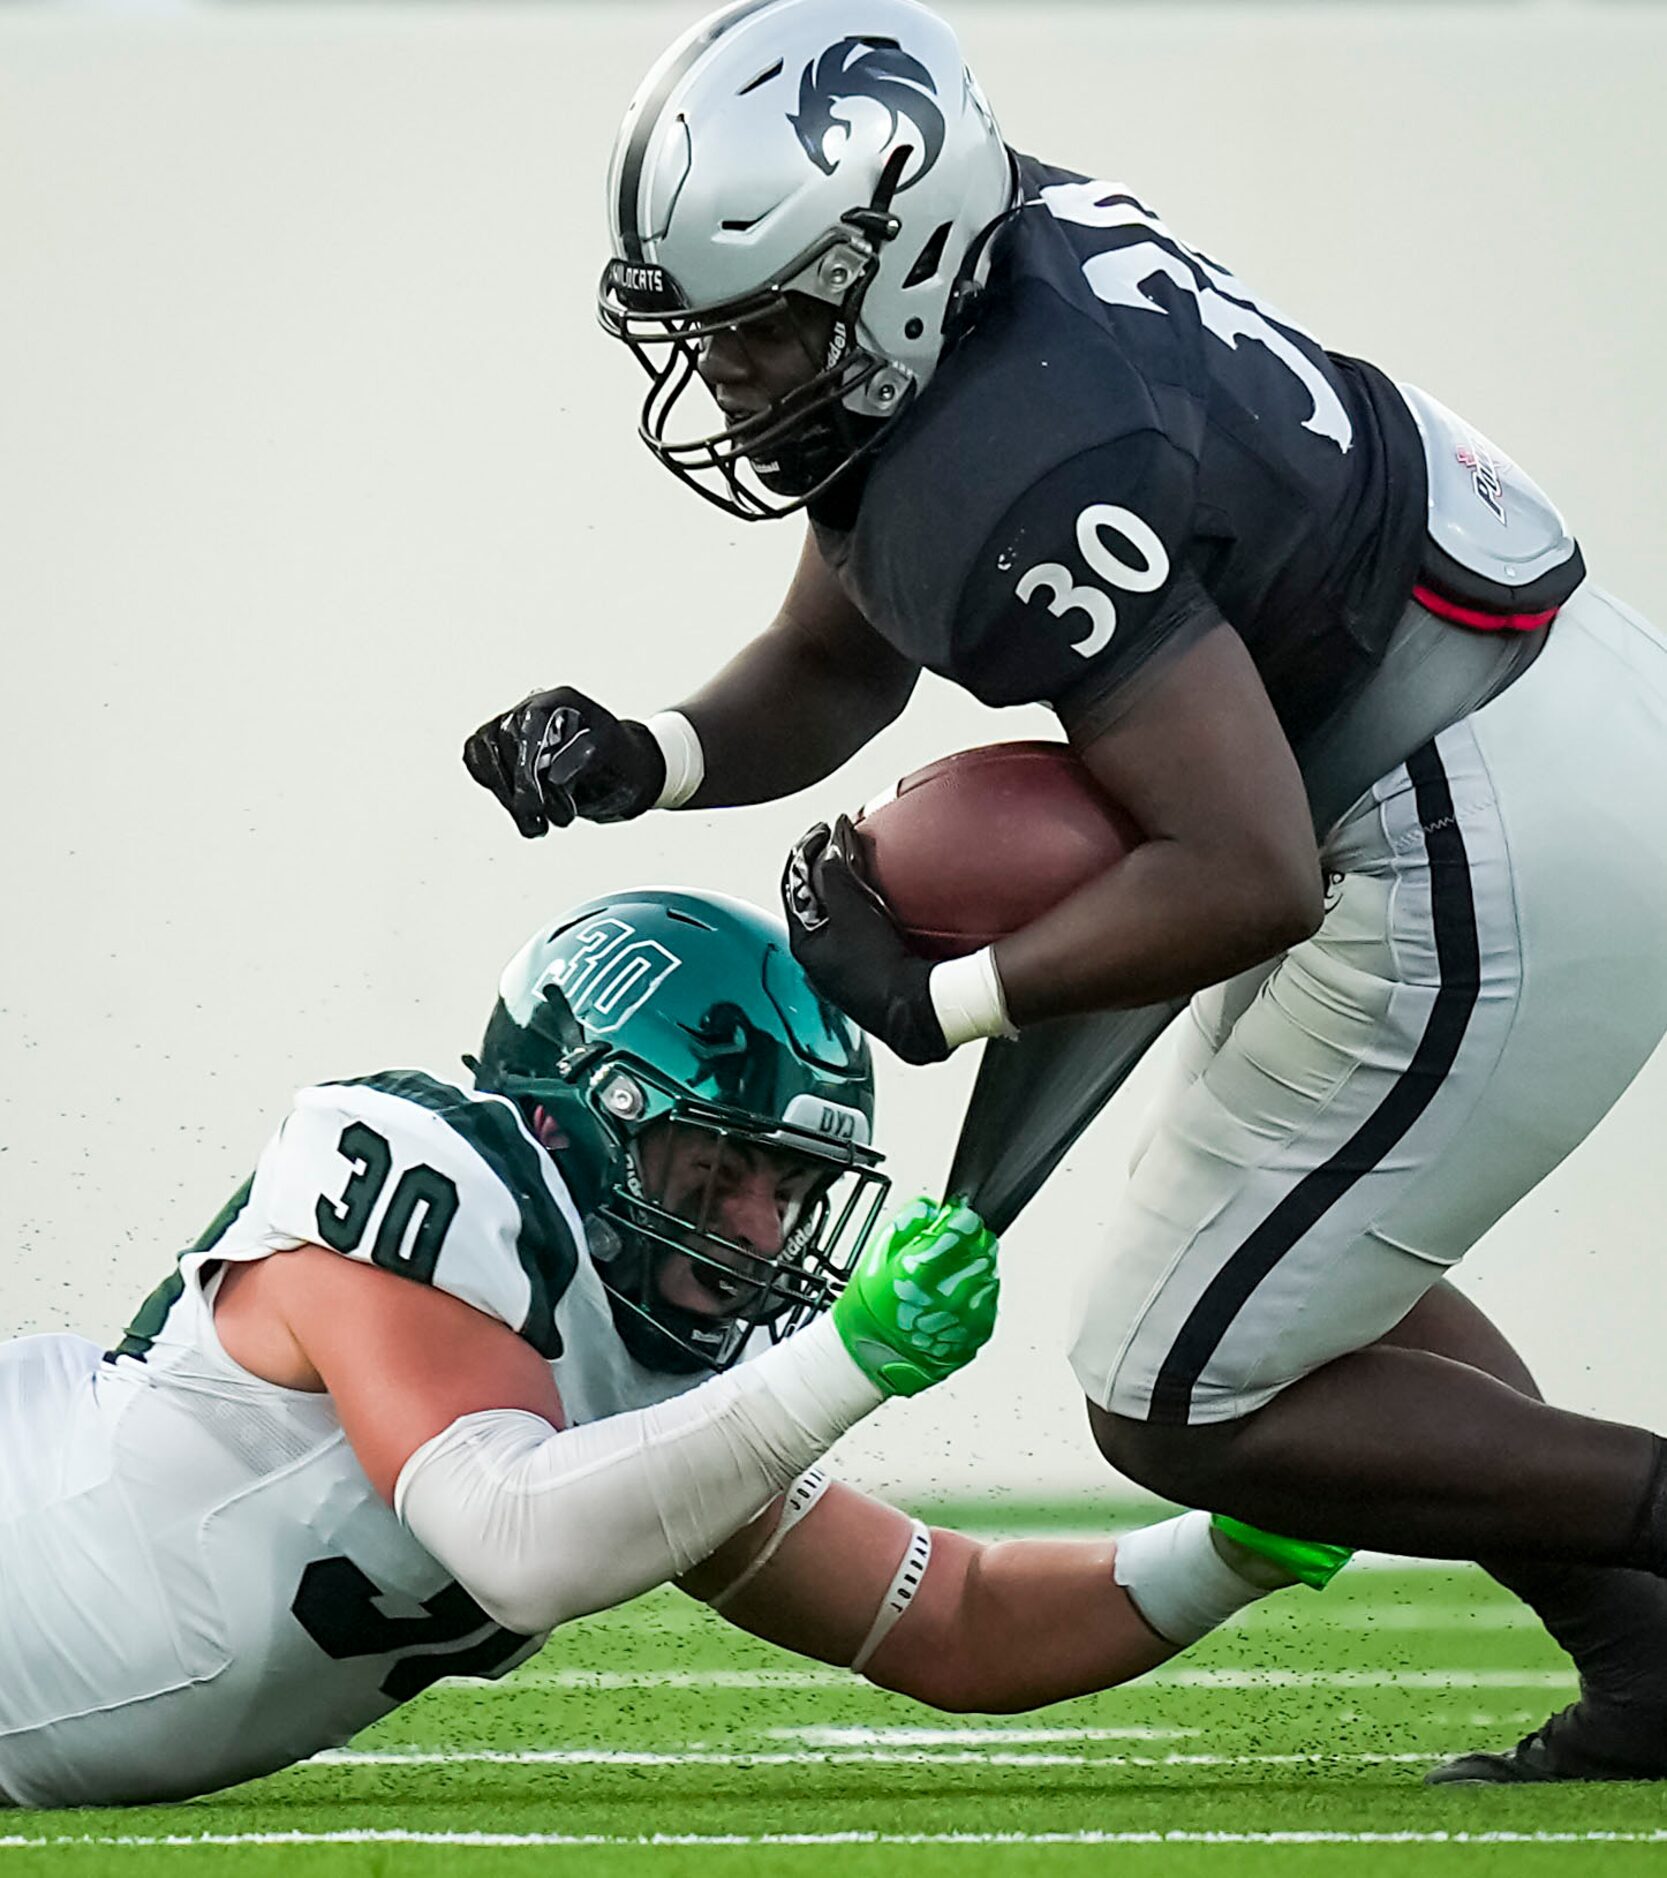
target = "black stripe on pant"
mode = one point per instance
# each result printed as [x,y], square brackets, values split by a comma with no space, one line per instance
[1458,961]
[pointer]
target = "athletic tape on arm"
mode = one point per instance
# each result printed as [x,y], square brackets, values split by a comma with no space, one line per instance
[900,1593]
[1179,1581]
[540,1526]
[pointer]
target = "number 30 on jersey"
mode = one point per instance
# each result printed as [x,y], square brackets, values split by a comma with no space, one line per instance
[1067,595]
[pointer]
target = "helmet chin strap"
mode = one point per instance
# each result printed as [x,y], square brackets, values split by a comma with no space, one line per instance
[974,270]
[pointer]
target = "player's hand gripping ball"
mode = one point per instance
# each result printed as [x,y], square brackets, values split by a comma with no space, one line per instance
[922,1301]
[560,756]
[976,845]
[851,947]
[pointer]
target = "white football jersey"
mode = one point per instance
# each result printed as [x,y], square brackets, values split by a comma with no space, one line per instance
[197,1582]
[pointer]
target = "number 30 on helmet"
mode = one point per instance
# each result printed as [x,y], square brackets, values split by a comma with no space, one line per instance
[835,151]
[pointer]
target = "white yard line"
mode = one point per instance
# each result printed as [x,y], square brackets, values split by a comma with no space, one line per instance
[969,1735]
[467,1840]
[836,1757]
[1182,1678]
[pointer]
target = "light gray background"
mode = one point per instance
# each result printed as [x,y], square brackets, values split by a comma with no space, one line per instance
[311,456]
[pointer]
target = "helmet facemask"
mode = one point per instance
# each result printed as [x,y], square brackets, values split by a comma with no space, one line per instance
[666,1207]
[774,463]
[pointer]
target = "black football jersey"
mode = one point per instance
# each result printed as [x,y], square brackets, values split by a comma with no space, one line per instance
[1125,448]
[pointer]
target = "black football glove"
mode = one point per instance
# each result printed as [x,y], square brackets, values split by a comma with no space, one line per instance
[560,755]
[851,949]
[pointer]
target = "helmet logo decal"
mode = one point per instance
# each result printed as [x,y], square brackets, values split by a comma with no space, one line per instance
[860,68]
[610,974]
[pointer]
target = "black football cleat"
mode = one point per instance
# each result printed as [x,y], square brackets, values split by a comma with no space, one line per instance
[1589,1740]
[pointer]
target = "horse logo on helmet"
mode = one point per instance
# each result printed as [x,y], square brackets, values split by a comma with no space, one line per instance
[867,68]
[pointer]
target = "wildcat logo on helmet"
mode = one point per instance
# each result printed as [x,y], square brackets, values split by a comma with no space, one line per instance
[865,68]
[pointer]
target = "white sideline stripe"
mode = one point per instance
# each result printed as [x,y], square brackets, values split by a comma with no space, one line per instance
[1443,1679]
[1416,1617]
[647,1842]
[836,1757]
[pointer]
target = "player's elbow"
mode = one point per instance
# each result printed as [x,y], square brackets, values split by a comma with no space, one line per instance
[1299,909]
[1280,901]
[469,1499]
[523,1594]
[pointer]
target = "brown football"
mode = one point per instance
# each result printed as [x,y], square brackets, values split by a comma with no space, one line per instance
[978,844]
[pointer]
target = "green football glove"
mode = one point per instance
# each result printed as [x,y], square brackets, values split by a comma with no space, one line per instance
[1307,1560]
[922,1300]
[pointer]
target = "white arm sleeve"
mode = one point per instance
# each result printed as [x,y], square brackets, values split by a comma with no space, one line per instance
[541,1525]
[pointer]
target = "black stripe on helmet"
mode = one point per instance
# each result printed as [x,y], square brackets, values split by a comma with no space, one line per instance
[636,153]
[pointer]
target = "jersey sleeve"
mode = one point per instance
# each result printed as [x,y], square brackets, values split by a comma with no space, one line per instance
[1085,581]
[443,1187]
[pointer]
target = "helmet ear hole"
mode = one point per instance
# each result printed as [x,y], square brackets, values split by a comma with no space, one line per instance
[930,258]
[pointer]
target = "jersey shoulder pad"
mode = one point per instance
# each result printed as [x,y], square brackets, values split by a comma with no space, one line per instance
[434,1182]
[1031,393]
[1084,577]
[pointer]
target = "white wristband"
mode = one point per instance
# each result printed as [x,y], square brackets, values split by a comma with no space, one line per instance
[969,1000]
[685,761]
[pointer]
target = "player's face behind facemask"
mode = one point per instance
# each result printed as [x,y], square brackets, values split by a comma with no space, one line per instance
[778,381]
[780,366]
[740,1205]
[715,1234]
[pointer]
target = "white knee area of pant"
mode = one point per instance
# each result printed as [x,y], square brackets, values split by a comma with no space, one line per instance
[1179,1582]
[541,1525]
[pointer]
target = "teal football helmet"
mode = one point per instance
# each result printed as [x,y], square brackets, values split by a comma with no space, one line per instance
[662,1006]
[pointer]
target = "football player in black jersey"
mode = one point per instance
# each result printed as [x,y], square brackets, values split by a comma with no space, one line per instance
[1306,626]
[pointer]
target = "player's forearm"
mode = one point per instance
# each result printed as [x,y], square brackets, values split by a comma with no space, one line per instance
[786,712]
[1017,1625]
[1163,923]
[541,1525]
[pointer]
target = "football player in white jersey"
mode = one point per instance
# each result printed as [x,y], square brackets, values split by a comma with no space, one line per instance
[1306,626]
[457,1364]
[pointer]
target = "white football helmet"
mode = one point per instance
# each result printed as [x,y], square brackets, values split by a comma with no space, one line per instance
[836,149]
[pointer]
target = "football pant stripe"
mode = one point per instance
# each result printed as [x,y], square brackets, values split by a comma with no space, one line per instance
[1458,957]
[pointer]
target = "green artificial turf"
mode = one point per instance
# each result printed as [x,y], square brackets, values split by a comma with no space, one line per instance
[1318,1714]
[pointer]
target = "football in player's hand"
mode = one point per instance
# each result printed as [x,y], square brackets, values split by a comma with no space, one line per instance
[976,845]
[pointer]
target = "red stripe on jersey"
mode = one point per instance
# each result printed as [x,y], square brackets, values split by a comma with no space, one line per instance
[1483,622]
